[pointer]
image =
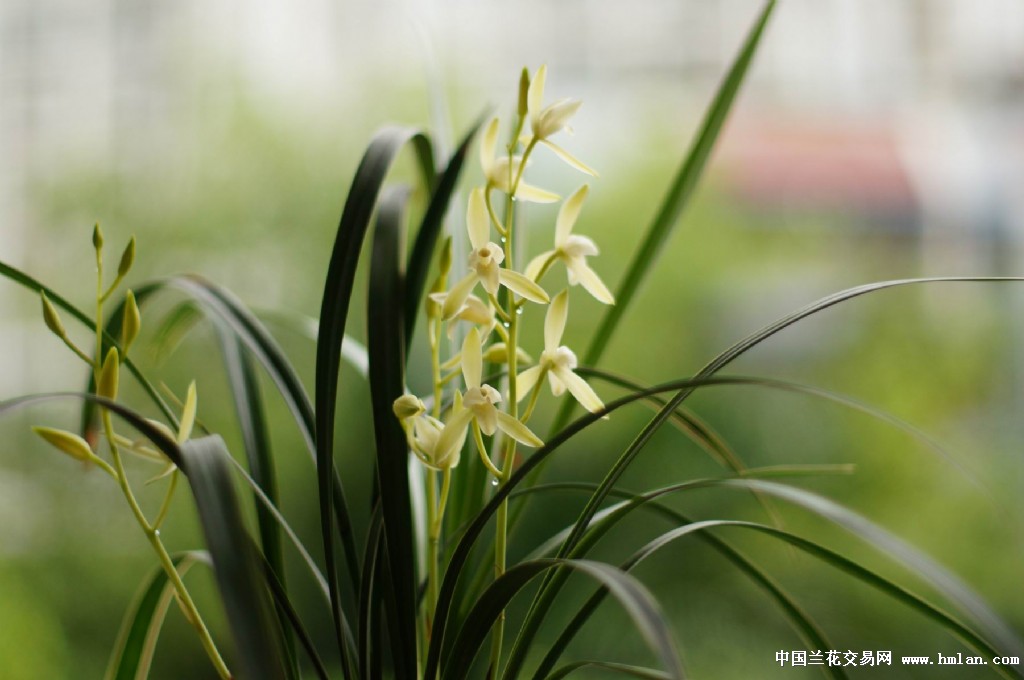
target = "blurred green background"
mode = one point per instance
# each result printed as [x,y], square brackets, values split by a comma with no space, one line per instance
[874,141]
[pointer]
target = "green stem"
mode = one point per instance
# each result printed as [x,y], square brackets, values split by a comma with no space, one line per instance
[153,536]
[166,505]
[508,459]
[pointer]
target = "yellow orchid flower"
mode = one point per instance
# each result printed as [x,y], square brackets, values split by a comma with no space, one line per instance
[547,120]
[477,406]
[558,361]
[573,250]
[502,172]
[484,264]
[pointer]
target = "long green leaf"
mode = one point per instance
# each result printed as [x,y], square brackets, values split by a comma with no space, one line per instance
[235,561]
[866,576]
[680,191]
[133,651]
[722,360]
[352,228]
[461,553]
[632,595]
[291,618]
[624,669]
[248,401]
[958,592]
[608,518]
[386,342]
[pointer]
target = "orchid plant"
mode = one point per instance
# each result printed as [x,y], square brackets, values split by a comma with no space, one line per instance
[407,587]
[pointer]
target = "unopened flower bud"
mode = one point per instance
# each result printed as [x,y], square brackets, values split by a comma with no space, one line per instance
[131,321]
[498,354]
[127,259]
[524,92]
[445,262]
[106,386]
[67,442]
[51,317]
[97,237]
[408,406]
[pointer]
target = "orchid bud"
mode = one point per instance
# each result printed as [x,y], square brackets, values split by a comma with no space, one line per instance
[131,321]
[524,92]
[127,259]
[97,237]
[408,406]
[106,386]
[51,317]
[67,442]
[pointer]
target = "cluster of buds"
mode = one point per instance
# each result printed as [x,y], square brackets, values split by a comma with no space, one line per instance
[436,435]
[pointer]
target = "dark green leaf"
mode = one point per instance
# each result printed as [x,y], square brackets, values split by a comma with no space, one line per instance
[133,651]
[632,595]
[632,671]
[236,563]
[386,343]
[352,227]
[245,393]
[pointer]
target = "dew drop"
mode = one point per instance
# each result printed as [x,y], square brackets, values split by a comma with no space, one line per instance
[494,482]
[519,311]
[156,533]
[505,324]
[503,239]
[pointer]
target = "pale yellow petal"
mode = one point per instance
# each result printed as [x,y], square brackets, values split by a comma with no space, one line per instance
[579,389]
[523,286]
[557,386]
[188,414]
[554,322]
[568,214]
[472,363]
[535,97]
[488,144]
[487,418]
[478,222]
[515,429]
[528,192]
[569,158]
[490,278]
[457,295]
[589,279]
[452,437]
[526,380]
[537,264]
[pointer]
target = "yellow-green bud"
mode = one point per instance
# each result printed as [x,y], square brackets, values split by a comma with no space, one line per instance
[408,406]
[51,317]
[109,375]
[445,262]
[97,237]
[524,92]
[127,259]
[131,321]
[67,442]
[498,354]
